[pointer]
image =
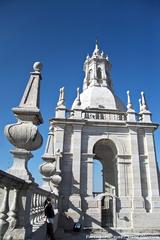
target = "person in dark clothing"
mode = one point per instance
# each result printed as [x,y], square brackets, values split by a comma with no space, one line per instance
[49,213]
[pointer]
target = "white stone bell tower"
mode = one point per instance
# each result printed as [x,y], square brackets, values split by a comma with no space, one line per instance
[97,69]
[100,127]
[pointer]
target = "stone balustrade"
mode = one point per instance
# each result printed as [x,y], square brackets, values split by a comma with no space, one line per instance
[108,116]
[94,115]
[21,208]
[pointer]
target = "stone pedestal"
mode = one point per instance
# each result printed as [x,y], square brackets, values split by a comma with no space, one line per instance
[19,167]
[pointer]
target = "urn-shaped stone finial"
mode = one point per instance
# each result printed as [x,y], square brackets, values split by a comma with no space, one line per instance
[56,178]
[24,134]
[48,168]
[51,168]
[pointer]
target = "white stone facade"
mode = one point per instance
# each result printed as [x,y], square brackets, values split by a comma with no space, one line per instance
[100,127]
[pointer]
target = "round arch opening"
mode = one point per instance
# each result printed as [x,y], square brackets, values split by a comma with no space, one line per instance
[105,151]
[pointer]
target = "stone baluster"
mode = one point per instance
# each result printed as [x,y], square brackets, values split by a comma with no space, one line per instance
[40,207]
[37,209]
[34,208]
[12,219]
[43,200]
[24,134]
[38,213]
[3,213]
[32,211]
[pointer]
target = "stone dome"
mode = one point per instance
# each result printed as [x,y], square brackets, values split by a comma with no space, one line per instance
[98,97]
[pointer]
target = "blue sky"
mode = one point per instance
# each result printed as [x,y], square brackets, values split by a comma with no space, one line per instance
[60,34]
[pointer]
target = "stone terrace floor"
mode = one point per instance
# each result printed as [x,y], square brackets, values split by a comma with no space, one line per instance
[104,235]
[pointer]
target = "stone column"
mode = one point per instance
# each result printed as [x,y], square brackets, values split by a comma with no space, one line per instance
[138,202]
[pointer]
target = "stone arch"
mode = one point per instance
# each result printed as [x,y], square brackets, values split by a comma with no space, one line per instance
[119,145]
[105,150]
[107,141]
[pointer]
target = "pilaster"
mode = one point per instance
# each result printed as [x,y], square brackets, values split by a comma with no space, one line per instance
[153,175]
[59,136]
[88,166]
[138,201]
[76,165]
[124,182]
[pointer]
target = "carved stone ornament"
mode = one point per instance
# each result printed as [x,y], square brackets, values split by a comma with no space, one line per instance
[47,169]
[56,179]
[24,135]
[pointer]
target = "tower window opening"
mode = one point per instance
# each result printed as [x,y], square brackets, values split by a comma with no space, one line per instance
[89,76]
[99,73]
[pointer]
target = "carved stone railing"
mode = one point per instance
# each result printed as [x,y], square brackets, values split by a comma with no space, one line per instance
[21,207]
[107,116]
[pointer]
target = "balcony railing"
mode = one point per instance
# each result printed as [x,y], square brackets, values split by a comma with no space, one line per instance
[21,207]
[107,116]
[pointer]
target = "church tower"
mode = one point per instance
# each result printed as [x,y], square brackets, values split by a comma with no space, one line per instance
[100,127]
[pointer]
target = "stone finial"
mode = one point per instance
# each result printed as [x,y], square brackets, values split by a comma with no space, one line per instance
[56,178]
[144,105]
[129,104]
[48,168]
[146,115]
[107,58]
[78,101]
[131,116]
[96,51]
[29,105]
[24,134]
[61,101]
[37,67]
[87,57]
[103,55]
[140,105]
